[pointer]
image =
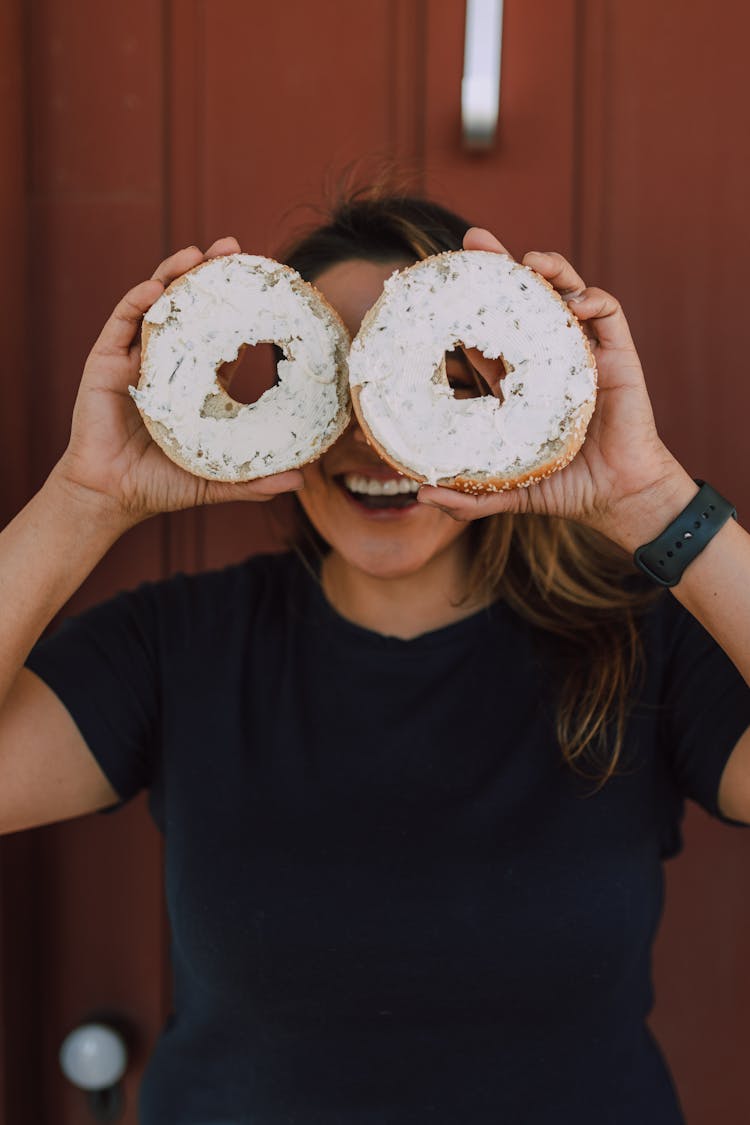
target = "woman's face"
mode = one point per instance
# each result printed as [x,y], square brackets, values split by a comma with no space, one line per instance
[356,501]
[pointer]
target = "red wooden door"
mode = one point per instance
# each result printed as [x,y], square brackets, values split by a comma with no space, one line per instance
[134,130]
[663,177]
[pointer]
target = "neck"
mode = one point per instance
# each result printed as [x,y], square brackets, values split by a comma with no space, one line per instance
[405,606]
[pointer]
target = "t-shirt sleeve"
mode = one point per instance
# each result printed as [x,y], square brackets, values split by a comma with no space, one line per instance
[104,667]
[706,708]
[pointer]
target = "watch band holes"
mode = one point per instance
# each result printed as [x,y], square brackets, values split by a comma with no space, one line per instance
[663,559]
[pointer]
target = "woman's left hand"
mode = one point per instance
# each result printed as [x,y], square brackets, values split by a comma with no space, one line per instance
[623,482]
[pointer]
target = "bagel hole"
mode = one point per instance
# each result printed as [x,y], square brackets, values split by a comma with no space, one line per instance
[251,374]
[466,381]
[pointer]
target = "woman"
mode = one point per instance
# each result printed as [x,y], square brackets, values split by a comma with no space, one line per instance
[417,777]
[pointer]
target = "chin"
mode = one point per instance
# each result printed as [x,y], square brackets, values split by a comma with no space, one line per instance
[397,556]
[384,562]
[380,546]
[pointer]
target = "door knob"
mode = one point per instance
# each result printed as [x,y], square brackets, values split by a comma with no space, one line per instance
[94,1057]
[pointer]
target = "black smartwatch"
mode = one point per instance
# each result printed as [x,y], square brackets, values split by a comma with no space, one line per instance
[665,559]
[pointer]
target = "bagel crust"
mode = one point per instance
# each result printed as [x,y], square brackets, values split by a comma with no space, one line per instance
[201,322]
[400,390]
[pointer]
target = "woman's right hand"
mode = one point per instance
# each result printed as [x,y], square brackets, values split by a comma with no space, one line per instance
[111,458]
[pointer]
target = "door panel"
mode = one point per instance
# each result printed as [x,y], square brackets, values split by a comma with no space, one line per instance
[664,173]
[305,105]
[523,187]
[96,202]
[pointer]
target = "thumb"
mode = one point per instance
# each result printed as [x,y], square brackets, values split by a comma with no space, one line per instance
[265,488]
[463,506]
[122,327]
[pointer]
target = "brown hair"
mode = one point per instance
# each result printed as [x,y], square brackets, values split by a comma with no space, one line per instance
[578,591]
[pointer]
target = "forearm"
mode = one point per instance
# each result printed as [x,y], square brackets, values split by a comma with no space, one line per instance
[715,587]
[46,552]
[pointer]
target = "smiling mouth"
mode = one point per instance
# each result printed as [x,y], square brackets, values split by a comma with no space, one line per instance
[373,494]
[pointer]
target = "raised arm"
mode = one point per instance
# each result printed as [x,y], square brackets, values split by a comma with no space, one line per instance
[111,477]
[627,485]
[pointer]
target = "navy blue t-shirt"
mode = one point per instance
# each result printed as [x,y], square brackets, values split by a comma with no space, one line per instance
[390,900]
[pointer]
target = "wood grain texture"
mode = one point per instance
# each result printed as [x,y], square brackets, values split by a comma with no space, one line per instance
[319,100]
[521,188]
[20,1049]
[96,202]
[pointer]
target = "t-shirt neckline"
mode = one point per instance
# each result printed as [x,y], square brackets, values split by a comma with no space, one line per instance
[336,624]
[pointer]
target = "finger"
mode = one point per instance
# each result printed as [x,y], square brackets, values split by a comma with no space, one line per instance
[602,314]
[177,264]
[491,370]
[228,245]
[477,238]
[264,489]
[462,507]
[122,327]
[440,498]
[557,270]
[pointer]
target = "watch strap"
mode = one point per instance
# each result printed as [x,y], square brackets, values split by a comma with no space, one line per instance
[666,558]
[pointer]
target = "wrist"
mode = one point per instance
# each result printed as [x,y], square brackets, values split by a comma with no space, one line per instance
[90,511]
[640,517]
[665,559]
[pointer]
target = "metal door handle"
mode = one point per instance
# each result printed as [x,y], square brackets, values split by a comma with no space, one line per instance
[480,86]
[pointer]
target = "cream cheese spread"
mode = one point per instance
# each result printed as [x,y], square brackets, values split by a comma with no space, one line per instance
[486,301]
[200,323]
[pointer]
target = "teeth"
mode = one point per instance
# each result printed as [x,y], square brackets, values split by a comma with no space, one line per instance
[370,487]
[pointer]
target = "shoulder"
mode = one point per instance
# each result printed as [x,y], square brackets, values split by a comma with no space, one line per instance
[175,612]
[255,578]
[220,598]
